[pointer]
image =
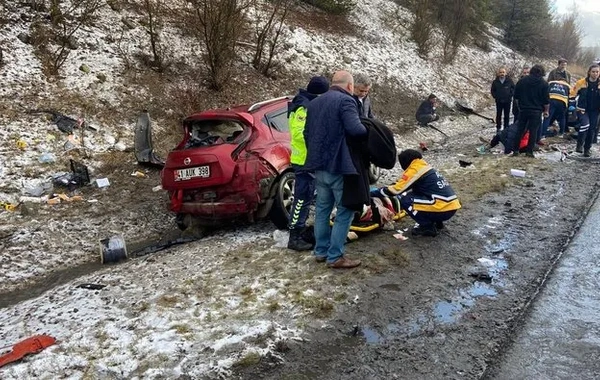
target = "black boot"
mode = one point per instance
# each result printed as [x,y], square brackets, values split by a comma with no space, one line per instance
[587,153]
[429,230]
[296,242]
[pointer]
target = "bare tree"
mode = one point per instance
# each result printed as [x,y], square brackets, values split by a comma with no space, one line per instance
[220,23]
[268,32]
[55,43]
[155,10]
[422,26]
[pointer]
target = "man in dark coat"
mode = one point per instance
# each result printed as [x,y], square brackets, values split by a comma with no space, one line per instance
[533,99]
[362,87]
[560,73]
[426,111]
[503,89]
[330,118]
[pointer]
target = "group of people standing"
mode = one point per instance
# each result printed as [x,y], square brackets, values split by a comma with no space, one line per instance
[331,127]
[533,97]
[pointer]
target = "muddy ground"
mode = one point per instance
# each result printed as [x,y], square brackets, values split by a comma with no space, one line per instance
[436,314]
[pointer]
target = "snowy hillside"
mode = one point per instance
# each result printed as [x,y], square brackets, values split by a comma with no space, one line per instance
[135,328]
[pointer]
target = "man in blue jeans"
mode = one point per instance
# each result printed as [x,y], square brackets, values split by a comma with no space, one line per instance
[329,119]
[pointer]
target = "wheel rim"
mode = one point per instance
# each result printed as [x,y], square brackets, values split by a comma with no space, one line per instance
[287,193]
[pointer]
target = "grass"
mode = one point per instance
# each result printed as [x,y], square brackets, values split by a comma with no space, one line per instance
[167,301]
[249,359]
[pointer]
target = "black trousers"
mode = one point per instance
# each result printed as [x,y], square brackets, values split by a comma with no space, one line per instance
[500,109]
[529,120]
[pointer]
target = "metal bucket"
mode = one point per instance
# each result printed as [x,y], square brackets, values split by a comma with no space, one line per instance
[113,249]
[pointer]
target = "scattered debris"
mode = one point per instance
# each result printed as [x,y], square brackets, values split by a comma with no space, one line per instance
[22,145]
[400,236]
[47,158]
[464,108]
[39,190]
[32,345]
[64,123]
[487,262]
[79,176]
[102,182]
[144,151]
[423,146]
[8,206]
[517,173]
[138,174]
[157,188]
[57,198]
[481,276]
[464,164]
[91,286]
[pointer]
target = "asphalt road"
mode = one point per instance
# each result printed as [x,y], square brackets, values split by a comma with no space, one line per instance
[561,336]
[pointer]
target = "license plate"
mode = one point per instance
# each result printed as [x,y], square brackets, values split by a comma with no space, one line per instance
[189,173]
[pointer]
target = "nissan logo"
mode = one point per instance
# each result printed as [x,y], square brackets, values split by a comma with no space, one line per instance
[187,161]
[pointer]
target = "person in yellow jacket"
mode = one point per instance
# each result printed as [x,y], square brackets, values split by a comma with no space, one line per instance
[423,192]
[304,187]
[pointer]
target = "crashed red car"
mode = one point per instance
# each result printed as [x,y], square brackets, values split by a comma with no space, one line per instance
[233,162]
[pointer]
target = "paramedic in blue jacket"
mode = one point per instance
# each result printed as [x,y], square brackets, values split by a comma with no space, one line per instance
[330,118]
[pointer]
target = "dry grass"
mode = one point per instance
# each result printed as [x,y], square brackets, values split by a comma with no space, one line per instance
[167,301]
[251,358]
[577,70]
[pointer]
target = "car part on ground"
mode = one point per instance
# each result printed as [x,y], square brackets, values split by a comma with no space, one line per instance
[466,109]
[144,150]
[32,345]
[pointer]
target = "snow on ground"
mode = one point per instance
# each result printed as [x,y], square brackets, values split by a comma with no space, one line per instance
[196,309]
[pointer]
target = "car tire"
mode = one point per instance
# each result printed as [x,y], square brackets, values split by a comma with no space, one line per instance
[181,222]
[374,174]
[284,197]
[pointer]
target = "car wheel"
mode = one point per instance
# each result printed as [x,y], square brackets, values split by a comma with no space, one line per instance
[374,174]
[284,197]
[181,222]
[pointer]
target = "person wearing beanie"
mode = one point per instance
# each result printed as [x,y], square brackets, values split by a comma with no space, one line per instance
[424,194]
[304,187]
[426,111]
[560,72]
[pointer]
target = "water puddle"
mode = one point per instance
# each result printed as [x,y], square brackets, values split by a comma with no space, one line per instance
[500,235]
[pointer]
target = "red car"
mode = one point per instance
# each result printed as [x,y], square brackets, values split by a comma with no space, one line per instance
[233,162]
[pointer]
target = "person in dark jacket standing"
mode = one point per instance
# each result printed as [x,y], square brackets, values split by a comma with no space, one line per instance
[304,185]
[503,89]
[331,117]
[560,72]
[426,111]
[533,99]
[588,107]
[515,107]
[362,87]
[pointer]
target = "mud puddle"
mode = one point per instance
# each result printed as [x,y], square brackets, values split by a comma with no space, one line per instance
[489,278]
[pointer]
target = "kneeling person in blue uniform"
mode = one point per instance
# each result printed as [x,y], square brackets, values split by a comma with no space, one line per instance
[423,192]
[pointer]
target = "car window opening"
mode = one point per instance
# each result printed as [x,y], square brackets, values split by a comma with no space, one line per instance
[213,132]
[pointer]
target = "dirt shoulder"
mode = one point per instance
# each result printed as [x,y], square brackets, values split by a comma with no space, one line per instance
[428,317]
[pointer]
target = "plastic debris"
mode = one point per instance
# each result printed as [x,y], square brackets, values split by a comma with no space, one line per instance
[423,146]
[157,188]
[8,206]
[47,158]
[464,164]
[517,172]
[138,174]
[21,144]
[102,182]
[487,262]
[400,236]
[281,238]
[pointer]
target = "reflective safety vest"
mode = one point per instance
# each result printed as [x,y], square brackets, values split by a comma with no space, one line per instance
[430,190]
[297,120]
